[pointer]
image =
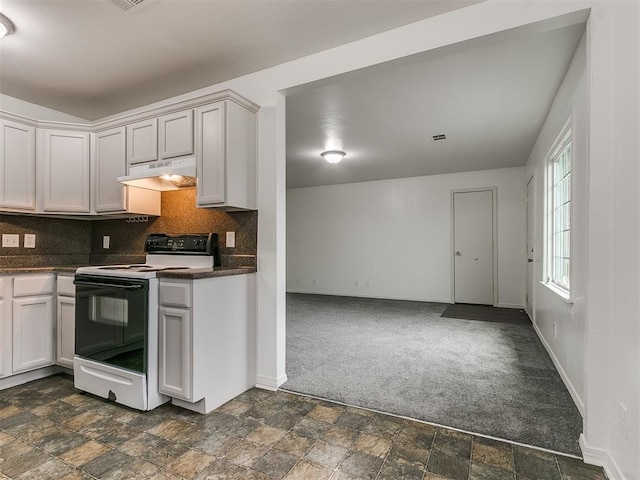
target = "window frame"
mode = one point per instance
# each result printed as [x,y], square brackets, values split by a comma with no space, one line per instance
[563,141]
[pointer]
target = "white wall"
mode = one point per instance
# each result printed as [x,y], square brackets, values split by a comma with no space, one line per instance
[396,235]
[613,283]
[567,347]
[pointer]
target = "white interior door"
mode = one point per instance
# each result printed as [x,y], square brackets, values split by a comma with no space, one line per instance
[473,247]
[530,244]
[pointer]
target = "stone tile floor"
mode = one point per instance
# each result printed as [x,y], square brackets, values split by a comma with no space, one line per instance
[49,430]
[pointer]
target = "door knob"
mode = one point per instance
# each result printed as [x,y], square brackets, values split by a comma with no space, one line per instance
[458,254]
[529,260]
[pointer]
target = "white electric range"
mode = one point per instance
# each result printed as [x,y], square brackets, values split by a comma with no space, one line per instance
[116,343]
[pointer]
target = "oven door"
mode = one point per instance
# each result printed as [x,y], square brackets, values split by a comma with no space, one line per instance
[111,320]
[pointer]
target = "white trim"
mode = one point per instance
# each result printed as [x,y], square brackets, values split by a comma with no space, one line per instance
[123,119]
[512,305]
[565,378]
[270,383]
[564,138]
[382,297]
[601,458]
[562,294]
[534,185]
[20,378]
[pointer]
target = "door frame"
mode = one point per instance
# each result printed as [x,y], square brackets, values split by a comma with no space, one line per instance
[532,180]
[494,191]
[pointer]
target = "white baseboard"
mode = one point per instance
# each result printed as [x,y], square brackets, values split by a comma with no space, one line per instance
[511,305]
[601,458]
[572,391]
[270,383]
[342,294]
[20,378]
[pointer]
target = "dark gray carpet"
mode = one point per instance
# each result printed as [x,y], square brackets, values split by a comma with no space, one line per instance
[485,313]
[401,357]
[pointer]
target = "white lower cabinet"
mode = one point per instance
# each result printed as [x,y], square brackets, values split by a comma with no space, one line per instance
[207,340]
[32,332]
[27,327]
[175,352]
[5,332]
[65,321]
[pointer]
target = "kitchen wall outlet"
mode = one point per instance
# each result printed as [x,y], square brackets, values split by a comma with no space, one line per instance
[231,239]
[29,240]
[313,281]
[355,283]
[106,239]
[10,240]
[555,329]
[366,284]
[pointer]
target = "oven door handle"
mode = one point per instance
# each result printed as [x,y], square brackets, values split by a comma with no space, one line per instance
[113,285]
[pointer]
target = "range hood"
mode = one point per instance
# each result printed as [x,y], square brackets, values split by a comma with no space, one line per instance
[164,175]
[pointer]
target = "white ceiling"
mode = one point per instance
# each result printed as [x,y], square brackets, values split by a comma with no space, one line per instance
[490,100]
[90,59]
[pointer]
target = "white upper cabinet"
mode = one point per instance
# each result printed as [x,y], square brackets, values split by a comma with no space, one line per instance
[175,134]
[17,166]
[110,163]
[66,178]
[210,154]
[167,136]
[142,141]
[226,156]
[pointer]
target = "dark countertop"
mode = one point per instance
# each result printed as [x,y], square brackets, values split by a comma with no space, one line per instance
[192,274]
[196,273]
[69,269]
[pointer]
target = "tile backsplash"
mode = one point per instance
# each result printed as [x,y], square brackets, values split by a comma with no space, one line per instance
[58,241]
[76,242]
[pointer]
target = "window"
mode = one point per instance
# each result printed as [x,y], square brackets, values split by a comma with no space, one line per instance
[559,221]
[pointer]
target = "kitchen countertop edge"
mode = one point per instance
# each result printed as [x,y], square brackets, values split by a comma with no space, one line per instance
[206,273]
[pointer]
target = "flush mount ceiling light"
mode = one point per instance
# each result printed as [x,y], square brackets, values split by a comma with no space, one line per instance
[6,27]
[333,156]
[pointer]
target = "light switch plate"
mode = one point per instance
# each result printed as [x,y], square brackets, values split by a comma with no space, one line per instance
[105,241]
[29,240]
[231,239]
[10,240]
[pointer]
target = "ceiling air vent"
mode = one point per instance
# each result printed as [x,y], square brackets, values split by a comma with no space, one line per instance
[126,4]
[440,136]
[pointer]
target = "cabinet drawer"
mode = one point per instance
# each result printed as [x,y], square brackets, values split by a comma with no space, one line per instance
[24,286]
[65,286]
[176,294]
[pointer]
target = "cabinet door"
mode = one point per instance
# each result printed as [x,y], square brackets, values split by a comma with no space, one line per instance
[66,313]
[210,154]
[175,352]
[111,163]
[176,134]
[142,141]
[32,333]
[66,158]
[17,166]
[5,346]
